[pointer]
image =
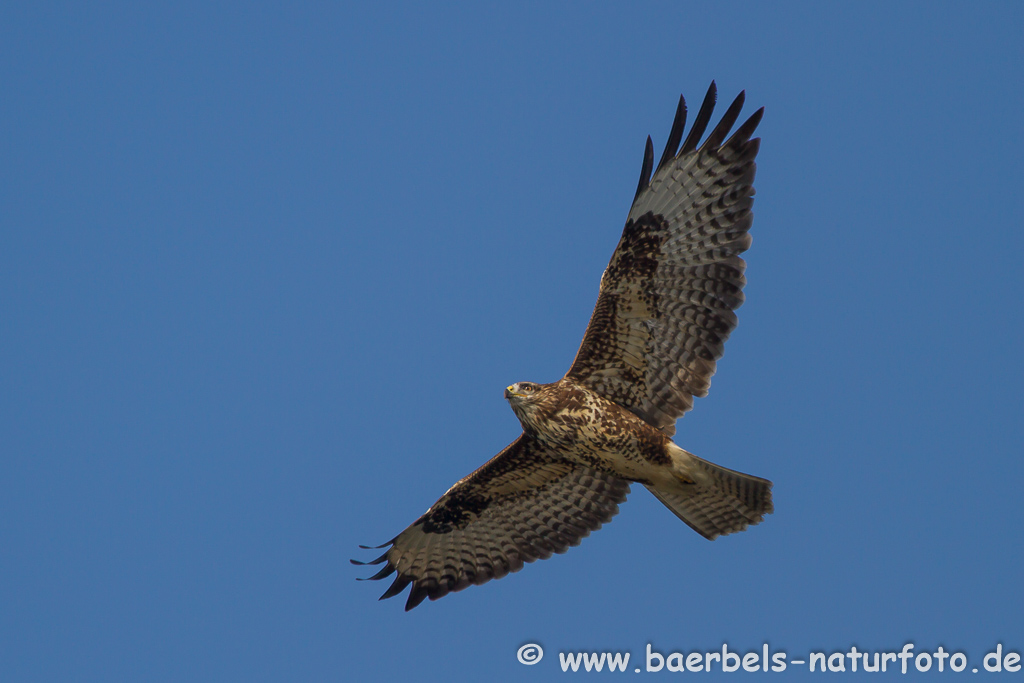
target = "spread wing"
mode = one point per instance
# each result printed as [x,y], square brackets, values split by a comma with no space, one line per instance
[523,505]
[668,296]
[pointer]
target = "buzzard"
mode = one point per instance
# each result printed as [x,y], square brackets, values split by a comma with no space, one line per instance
[665,308]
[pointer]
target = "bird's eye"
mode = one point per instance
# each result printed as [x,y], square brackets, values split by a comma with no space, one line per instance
[527,388]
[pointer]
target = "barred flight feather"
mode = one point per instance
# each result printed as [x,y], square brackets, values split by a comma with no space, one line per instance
[678,267]
[529,506]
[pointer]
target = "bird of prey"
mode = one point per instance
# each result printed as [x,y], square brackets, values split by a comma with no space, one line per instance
[665,308]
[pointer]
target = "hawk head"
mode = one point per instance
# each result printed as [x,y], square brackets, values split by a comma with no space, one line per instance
[524,392]
[526,399]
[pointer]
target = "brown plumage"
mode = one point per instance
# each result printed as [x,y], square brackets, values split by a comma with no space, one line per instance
[665,308]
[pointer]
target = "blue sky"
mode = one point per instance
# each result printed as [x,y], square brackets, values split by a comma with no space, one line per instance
[265,271]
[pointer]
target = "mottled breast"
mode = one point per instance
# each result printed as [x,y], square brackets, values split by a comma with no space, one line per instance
[591,427]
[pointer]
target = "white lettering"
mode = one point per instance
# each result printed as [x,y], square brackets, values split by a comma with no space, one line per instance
[852,654]
[906,654]
[651,654]
[998,656]
[618,661]
[726,665]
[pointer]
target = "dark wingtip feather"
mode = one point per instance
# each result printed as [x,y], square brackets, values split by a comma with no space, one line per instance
[744,132]
[397,587]
[645,170]
[700,124]
[388,570]
[676,133]
[377,561]
[723,127]
[378,547]
[417,595]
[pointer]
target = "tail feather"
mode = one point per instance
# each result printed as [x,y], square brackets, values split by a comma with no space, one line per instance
[720,501]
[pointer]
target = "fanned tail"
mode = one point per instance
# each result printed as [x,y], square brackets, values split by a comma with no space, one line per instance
[716,501]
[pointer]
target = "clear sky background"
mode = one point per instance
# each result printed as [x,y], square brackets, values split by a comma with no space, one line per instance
[266,269]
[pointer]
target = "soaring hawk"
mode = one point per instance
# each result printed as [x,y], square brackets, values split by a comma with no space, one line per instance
[665,308]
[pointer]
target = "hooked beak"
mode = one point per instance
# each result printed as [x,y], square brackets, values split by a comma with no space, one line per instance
[510,391]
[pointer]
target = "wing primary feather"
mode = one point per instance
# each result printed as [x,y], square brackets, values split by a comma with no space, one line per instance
[417,595]
[377,547]
[744,132]
[377,561]
[401,581]
[700,124]
[387,571]
[723,127]
[645,170]
[675,135]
